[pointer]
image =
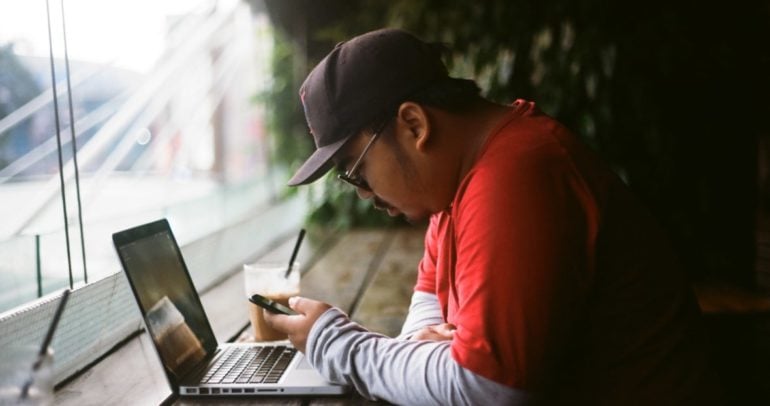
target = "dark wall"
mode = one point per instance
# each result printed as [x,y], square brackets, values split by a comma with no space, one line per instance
[673,94]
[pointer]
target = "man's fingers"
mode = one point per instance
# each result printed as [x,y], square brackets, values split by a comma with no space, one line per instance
[283,322]
[438,332]
[298,326]
[446,329]
[279,322]
[307,306]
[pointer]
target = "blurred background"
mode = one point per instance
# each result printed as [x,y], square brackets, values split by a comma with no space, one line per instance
[182,103]
[115,113]
[172,101]
[157,100]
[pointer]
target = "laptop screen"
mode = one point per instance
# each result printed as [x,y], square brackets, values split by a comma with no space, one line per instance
[167,298]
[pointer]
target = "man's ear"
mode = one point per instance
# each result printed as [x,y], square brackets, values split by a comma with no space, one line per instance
[415,124]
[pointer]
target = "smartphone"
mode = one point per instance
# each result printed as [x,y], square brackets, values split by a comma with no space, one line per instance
[271,305]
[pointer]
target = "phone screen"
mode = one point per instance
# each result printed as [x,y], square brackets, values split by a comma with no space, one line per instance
[271,305]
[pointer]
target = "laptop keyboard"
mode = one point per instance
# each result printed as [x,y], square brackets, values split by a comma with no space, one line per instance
[264,364]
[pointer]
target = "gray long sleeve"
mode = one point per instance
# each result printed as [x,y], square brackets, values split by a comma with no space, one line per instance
[424,311]
[399,371]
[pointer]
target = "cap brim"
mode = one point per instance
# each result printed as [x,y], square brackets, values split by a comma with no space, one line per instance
[317,165]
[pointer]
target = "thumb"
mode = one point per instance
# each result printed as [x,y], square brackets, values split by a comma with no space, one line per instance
[307,307]
[300,304]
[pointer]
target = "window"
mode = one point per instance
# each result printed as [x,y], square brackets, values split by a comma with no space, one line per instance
[158,93]
[117,113]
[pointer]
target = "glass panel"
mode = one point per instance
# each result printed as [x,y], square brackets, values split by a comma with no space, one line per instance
[162,119]
[28,153]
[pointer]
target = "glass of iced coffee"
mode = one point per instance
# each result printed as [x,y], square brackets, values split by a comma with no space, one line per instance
[271,280]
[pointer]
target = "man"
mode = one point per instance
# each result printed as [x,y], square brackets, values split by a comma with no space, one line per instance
[543,279]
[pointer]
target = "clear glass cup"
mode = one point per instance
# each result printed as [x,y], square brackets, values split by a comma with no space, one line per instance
[16,373]
[269,279]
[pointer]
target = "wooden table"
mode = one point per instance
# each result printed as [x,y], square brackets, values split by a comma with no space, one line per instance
[369,274]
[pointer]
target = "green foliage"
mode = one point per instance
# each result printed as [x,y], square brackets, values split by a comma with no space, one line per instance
[289,140]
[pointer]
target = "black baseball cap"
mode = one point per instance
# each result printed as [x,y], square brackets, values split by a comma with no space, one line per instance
[359,81]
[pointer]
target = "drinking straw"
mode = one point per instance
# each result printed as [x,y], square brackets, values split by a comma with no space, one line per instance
[296,250]
[46,343]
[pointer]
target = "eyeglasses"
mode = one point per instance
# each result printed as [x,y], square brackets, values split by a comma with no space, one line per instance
[353,178]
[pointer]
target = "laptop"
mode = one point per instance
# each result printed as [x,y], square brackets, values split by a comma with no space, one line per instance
[194,362]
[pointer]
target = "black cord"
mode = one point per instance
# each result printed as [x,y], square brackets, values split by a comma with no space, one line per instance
[58,143]
[74,145]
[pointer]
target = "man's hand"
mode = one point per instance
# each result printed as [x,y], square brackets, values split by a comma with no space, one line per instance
[297,327]
[438,332]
